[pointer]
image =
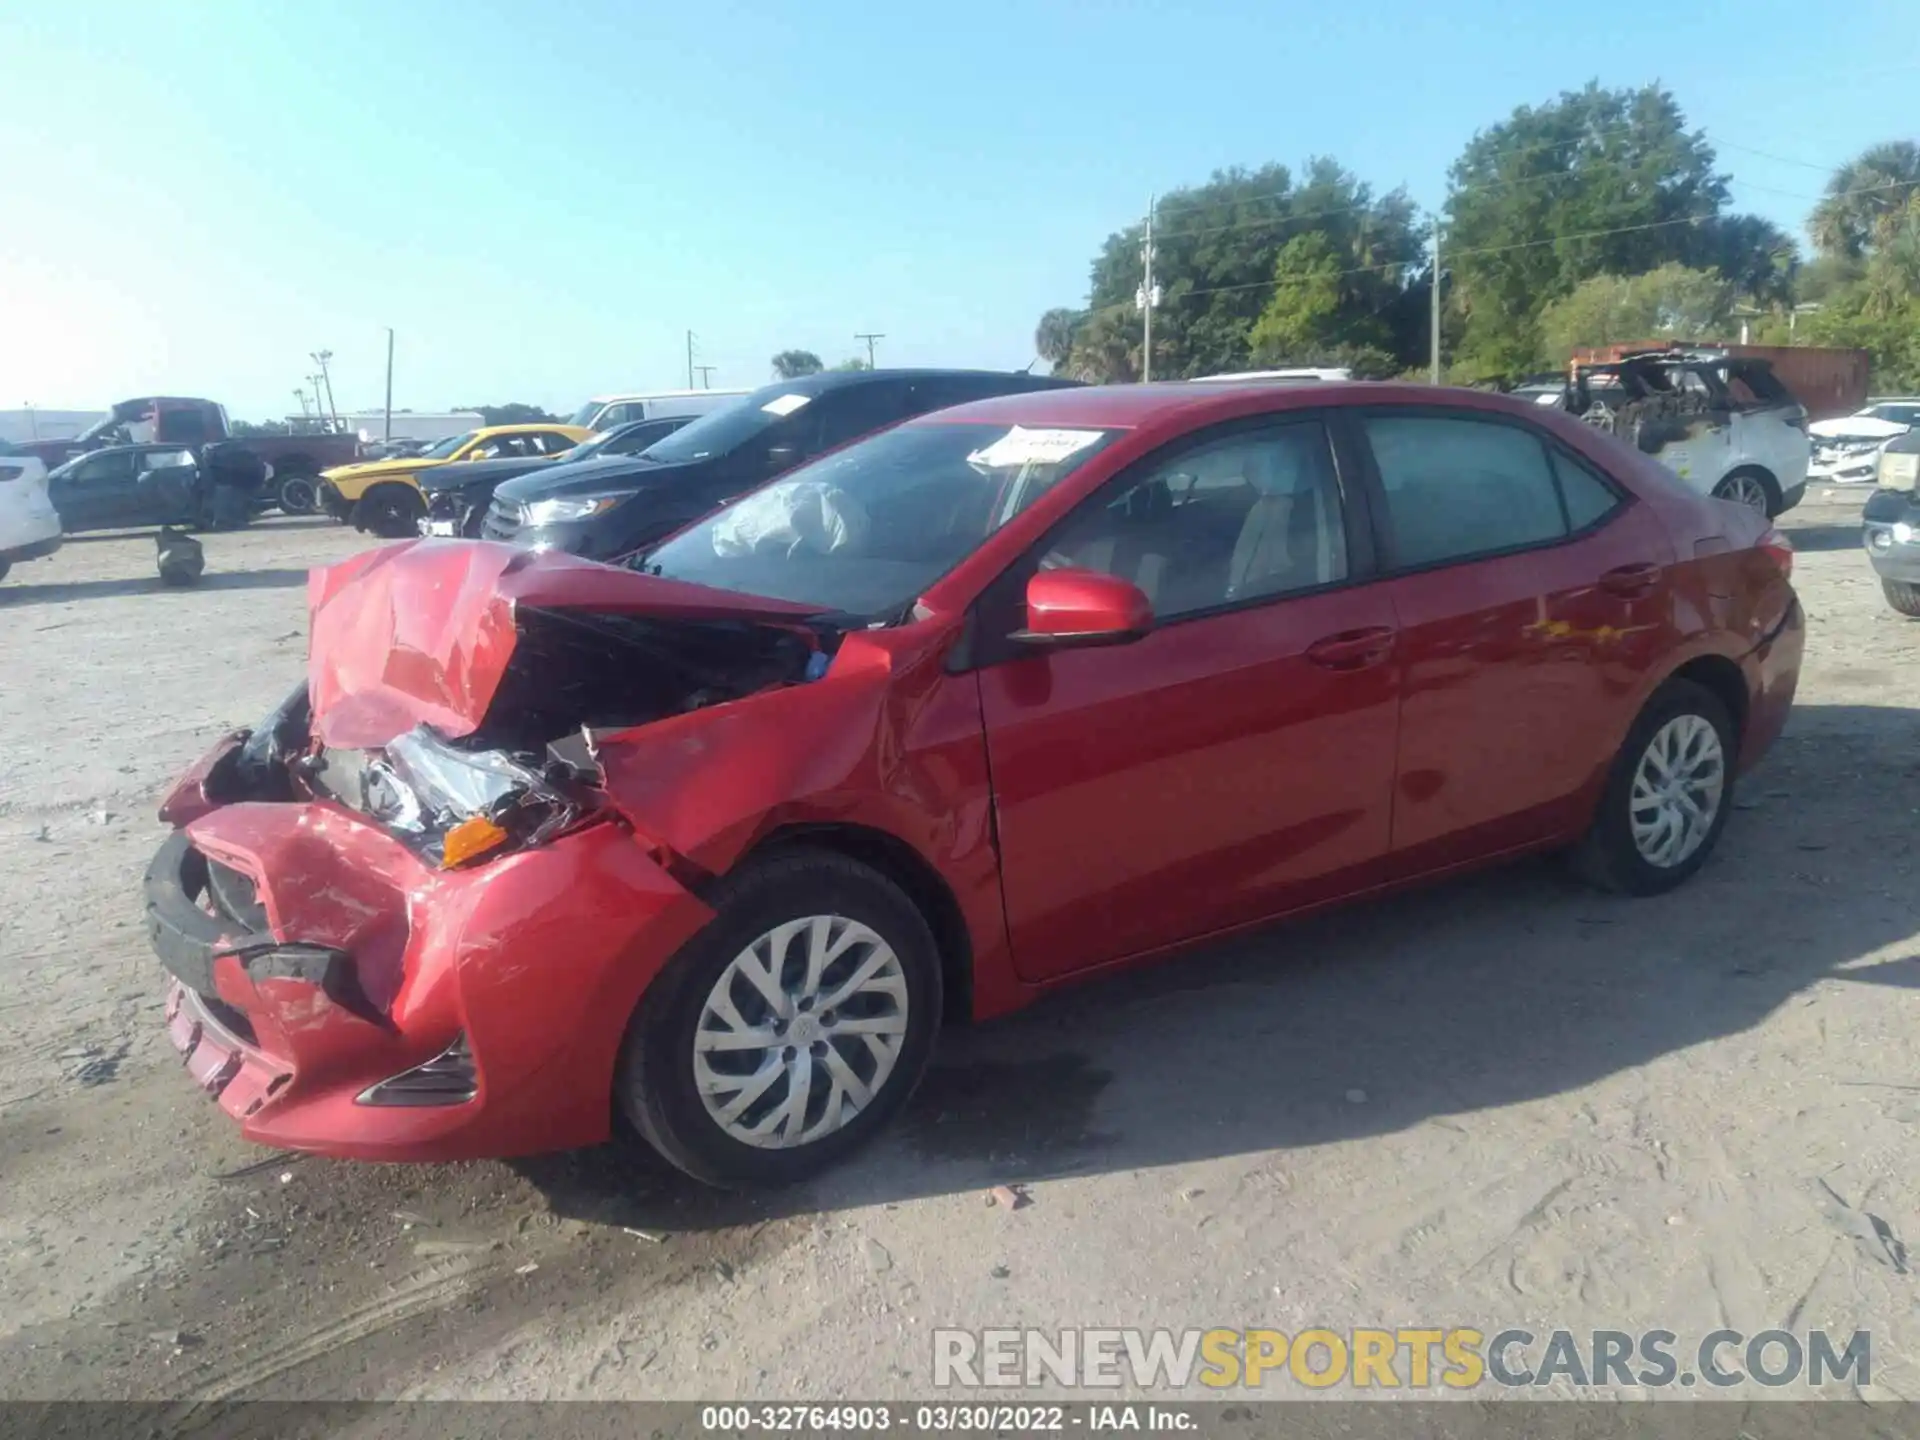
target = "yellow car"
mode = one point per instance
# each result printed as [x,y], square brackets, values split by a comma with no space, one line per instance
[382,496]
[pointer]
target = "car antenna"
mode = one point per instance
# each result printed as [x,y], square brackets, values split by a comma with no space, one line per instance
[1027,369]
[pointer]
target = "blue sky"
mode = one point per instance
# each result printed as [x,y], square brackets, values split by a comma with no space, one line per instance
[541,200]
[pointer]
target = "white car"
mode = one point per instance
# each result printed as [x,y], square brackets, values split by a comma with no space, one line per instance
[1846,451]
[1724,424]
[29,525]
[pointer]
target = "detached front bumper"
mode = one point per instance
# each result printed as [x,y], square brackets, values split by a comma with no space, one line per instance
[320,968]
[452,513]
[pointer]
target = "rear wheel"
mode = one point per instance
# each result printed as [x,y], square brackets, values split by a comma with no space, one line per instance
[298,494]
[788,1031]
[1901,595]
[1750,487]
[390,511]
[1668,795]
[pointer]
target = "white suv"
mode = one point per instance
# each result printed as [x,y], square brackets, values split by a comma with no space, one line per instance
[29,525]
[1724,424]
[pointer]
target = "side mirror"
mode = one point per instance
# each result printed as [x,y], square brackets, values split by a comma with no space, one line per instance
[1069,609]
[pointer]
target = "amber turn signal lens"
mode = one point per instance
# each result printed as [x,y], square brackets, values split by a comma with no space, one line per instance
[469,840]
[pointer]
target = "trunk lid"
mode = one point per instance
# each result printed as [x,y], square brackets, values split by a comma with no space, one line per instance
[429,632]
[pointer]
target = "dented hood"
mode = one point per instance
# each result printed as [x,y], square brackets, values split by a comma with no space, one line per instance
[421,632]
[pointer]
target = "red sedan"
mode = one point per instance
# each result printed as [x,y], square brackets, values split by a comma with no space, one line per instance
[1001,698]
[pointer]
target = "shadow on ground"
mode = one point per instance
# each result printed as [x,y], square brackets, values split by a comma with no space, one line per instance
[20,596]
[1814,539]
[1501,988]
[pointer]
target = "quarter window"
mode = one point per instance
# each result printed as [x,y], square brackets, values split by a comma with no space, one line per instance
[1458,488]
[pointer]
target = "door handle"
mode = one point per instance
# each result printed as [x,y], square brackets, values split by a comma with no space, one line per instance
[1631,581]
[1352,649]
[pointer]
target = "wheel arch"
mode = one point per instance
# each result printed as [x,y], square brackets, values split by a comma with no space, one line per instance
[1776,496]
[1724,680]
[900,862]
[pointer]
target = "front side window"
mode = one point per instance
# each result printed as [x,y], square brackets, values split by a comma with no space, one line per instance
[1246,517]
[866,530]
[553,443]
[1457,488]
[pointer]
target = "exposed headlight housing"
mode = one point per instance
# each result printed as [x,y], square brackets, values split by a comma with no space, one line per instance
[573,507]
[462,805]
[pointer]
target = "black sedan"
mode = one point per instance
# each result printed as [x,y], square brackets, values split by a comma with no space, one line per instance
[127,485]
[608,508]
[458,495]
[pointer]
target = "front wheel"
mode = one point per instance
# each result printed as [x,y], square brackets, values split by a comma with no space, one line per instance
[1902,595]
[390,511]
[1667,797]
[1751,488]
[788,1031]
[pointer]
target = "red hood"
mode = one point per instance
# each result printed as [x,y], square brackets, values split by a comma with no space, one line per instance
[421,632]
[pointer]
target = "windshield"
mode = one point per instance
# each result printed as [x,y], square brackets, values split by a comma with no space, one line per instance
[447,446]
[583,417]
[722,431]
[866,530]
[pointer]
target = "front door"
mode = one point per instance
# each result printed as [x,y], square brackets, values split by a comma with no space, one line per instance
[98,493]
[1233,764]
[1528,608]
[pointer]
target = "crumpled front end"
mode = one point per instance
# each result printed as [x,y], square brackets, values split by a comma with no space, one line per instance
[337,991]
[402,918]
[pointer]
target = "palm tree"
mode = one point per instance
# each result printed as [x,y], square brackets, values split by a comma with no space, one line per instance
[1106,349]
[1864,198]
[1053,336]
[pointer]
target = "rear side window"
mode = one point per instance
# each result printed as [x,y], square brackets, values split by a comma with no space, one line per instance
[1458,488]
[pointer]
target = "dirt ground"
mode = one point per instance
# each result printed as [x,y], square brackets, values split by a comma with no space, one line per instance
[1503,1102]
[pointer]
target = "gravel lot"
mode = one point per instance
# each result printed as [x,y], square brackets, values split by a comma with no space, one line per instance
[1498,1102]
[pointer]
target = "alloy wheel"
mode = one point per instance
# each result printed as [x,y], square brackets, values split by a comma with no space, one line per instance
[1745,490]
[801,1032]
[1677,790]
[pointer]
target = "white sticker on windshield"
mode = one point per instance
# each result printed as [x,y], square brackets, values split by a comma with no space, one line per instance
[785,404]
[1020,446]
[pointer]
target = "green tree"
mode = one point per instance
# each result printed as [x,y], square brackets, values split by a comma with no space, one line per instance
[1669,302]
[1611,181]
[1106,349]
[1216,247]
[853,362]
[1866,199]
[1053,336]
[244,428]
[1318,312]
[517,413]
[1756,256]
[792,364]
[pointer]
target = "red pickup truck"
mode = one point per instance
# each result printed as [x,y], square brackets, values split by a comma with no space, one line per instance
[294,462]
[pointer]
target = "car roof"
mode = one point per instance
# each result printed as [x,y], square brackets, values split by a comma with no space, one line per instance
[822,382]
[658,395]
[541,425]
[1128,407]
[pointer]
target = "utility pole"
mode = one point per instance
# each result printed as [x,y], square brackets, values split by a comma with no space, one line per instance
[705,371]
[689,359]
[33,424]
[1435,322]
[1146,298]
[320,358]
[387,430]
[870,339]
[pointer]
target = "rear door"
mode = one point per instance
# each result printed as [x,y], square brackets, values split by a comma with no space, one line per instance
[1531,594]
[1236,762]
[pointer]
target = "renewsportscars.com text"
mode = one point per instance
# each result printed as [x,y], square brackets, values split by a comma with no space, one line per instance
[1457,1358]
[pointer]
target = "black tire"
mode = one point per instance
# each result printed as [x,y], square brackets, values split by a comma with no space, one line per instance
[390,511]
[654,1086]
[1607,857]
[1751,472]
[1901,595]
[297,494]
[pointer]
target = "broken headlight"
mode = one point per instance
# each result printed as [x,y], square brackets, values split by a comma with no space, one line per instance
[463,804]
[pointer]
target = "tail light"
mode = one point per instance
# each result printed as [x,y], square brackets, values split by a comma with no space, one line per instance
[1778,549]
